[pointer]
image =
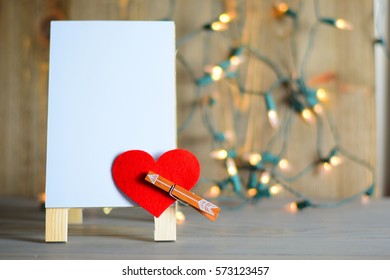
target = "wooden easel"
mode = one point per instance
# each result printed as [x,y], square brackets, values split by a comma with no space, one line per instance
[57,220]
[94,102]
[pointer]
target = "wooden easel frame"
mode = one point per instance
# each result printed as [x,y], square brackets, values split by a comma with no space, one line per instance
[58,219]
[73,106]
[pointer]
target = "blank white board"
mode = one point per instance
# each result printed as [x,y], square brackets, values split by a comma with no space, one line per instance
[111,89]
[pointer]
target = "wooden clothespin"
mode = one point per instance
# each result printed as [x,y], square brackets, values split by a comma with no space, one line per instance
[203,206]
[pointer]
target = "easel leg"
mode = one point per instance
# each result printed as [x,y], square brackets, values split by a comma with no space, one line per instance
[165,225]
[57,224]
[75,216]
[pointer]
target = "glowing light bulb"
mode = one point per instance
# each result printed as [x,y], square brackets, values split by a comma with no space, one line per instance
[326,167]
[218,26]
[275,189]
[318,109]
[214,192]
[280,9]
[42,197]
[292,207]
[343,24]
[252,158]
[180,217]
[265,177]
[231,167]
[229,135]
[251,192]
[107,210]
[225,18]
[216,73]
[235,60]
[273,118]
[335,160]
[365,199]
[322,95]
[219,154]
[307,115]
[284,164]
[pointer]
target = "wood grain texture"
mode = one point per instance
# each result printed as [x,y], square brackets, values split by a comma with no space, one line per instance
[56,225]
[259,232]
[24,68]
[165,225]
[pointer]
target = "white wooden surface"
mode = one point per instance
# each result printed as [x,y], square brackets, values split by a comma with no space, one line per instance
[262,231]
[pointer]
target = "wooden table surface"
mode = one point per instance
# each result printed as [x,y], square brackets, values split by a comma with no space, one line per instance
[261,231]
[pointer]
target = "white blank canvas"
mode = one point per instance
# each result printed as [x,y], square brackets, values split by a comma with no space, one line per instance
[111,89]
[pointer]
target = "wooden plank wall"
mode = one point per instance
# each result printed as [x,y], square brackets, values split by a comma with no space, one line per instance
[349,55]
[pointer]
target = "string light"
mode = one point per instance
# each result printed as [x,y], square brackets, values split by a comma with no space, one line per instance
[271,110]
[263,168]
[296,206]
[307,115]
[366,197]
[265,177]
[332,160]
[231,167]
[219,154]
[180,217]
[300,108]
[275,189]
[335,160]
[216,73]
[225,69]
[221,23]
[284,164]
[341,24]
[214,191]
[251,192]
[225,18]
[282,8]
[326,166]
[252,158]
[322,95]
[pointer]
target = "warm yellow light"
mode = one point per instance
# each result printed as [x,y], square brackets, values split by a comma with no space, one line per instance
[231,167]
[280,9]
[365,199]
[107,210]
[307,115]
[265,177]
[284,164]
[219,154]
[225,18]
[292,207]
[214,192]
[216,73]
[229,135]
[235,60]
[318,109]
[252,158]
[326,166]
[343,24]
[218,26]
[275,189]
[42,197]
[251,192]
[322,95]
[273,118]
[335,160]
[180,217]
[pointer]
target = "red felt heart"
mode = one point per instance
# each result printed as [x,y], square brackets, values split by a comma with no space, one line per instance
[130,169]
